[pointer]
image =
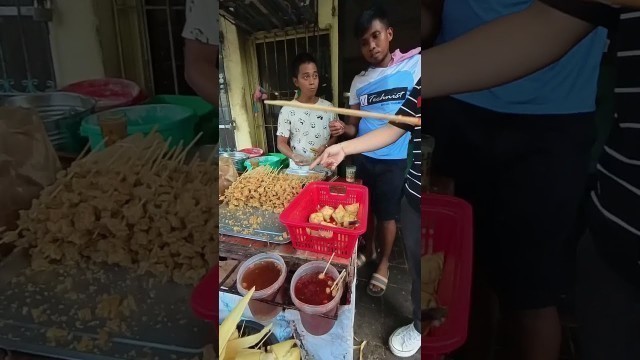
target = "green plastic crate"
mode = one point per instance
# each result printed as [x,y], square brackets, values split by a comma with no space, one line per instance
[208,115]
[173,121]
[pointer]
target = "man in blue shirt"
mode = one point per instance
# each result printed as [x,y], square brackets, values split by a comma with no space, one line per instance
[518,151]
[381,88]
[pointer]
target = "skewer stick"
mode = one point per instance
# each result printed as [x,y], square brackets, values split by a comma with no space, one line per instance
[340,278]
[149,152]
[211,156]
[192,164]
[115,157]
[171,164]
[62,183]
[156,158]
[177,153]
[84,151]
[264,339]
[183,155]
[93,150]
[128,166]
[321,276]
[348,112]
[171,153]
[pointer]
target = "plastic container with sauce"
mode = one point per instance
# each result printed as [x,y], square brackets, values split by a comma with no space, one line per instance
[261,311]
[312,323]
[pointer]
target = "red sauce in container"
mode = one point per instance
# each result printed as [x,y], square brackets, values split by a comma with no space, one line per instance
[312,290]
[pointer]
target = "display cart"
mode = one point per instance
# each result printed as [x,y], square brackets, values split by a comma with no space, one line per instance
[338,343]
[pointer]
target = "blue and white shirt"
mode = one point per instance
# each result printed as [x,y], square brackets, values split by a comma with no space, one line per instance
[564,87]
[383,90]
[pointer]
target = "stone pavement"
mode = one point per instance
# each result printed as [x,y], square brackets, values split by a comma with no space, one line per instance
[378,317]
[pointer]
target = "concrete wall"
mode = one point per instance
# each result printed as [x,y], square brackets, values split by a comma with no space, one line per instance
[241,76]
[75,45]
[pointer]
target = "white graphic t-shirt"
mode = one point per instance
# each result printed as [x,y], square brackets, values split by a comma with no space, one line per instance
[383,90]
[202,21]
[306,129]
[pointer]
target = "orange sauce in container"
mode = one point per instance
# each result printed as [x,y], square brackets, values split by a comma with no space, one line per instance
[261,275]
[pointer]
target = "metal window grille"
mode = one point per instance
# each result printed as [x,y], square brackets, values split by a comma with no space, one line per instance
[163,23]
[226,125]
[26,64]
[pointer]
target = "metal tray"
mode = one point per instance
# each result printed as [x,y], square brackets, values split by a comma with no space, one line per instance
[232,222]
[163,326]
[301,172]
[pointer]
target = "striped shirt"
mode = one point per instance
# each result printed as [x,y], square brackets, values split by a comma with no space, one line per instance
[412,107]
[615,220]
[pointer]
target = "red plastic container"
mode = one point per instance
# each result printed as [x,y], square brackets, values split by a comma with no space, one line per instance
[447,226]
[321,238]
[204,298]
[109,93]
[252,152]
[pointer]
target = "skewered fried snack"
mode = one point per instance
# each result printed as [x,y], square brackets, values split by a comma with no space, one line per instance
[135,204]
[264,188]
[344,216]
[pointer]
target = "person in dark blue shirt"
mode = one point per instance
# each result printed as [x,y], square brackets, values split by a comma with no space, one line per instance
[516,135]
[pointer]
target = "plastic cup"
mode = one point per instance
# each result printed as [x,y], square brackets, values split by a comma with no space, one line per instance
[351,173]
[312,323]
[263,312]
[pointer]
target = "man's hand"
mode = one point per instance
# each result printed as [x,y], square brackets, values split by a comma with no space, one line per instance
[336,127]
[330,158]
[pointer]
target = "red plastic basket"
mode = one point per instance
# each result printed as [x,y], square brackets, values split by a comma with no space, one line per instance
[321,238]
[447,226]
[204,298]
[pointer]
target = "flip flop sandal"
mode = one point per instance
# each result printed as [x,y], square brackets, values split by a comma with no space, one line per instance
[379,281]
[361,260]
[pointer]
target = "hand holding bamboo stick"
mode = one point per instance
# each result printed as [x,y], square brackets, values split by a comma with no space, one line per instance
[349,112]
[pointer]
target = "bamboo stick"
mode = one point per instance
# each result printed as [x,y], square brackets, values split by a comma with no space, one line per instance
[186,150]
[349,112]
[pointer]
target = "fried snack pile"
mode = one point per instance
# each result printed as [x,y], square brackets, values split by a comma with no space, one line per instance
[264,188]
[431,271]
[343,216]
[135,204]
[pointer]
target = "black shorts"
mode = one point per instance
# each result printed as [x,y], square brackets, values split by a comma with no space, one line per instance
[385,181]
[524,175]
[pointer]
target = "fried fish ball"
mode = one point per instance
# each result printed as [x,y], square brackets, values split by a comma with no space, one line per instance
[352,209]
[316,218]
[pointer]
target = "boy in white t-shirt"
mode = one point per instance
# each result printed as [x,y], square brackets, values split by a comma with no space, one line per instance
[304,134]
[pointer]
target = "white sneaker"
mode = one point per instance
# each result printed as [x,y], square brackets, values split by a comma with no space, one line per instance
[405,341]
